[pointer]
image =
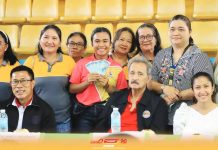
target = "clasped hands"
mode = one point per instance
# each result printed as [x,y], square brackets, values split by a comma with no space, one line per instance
[171,94]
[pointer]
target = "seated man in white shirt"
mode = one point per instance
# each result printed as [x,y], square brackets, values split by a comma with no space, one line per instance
[26,110]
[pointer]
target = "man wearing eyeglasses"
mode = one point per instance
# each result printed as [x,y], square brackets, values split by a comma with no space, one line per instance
[26,110]
[76,44]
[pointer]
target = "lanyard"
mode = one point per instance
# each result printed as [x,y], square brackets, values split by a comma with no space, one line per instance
[173,66]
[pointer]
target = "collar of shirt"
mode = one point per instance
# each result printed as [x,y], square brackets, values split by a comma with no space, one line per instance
[18,104]
[129,98]
[59,59]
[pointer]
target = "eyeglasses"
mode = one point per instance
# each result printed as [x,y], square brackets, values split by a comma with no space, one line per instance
[147,37]
[23,82]
[72,44]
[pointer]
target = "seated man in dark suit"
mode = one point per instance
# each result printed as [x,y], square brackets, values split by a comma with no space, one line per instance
[140,108]
[26,110]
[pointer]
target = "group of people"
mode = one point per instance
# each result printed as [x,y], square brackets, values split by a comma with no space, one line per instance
[168,90]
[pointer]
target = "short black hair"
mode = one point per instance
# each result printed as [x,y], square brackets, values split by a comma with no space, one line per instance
[80,34]
[99,30]
[23,68]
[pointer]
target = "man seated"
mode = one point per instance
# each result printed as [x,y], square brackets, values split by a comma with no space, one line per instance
[140,108]
[26,110]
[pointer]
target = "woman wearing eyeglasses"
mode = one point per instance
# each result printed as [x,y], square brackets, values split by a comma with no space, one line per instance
[76,43]
[148,41]
[174,67]
[7,62]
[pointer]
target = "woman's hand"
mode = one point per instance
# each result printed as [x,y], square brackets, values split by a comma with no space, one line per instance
[93,77]
[171,93]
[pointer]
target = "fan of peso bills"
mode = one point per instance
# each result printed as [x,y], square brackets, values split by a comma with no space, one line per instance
[98,66]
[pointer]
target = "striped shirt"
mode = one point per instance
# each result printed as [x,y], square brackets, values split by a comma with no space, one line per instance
[191,62]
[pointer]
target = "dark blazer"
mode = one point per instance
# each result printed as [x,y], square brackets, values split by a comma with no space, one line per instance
[38,117]
[150,101]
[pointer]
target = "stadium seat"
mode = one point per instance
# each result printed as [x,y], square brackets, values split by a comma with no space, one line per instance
[139,10]
[17,11]
[133,26]
[13,32]
[2,9]
[163,31]
[77,11]
[29,39]
[108,10]
[205,10]
[44,11]
[167,9]
[66,29]
[88,31]
[205,35]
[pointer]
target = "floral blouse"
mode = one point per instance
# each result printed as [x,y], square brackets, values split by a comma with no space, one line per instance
[192,62]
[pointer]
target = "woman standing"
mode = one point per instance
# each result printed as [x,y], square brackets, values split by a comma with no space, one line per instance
[123,45]
[148,41]
[7,62]
[52,71]
[174,67]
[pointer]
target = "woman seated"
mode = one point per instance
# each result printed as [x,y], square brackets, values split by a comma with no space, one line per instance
[201,117]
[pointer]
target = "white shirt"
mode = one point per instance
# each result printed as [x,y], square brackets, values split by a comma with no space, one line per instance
[21,110]
[188,121]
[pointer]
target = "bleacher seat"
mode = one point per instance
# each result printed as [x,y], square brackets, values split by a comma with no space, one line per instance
[205,9]
[29,39]
[77,11]
[205,35]
[66,29]
[88,31]
[13,32]
[167,9]
[44,11]
[17,11]
[139,10]
[108,10]
[2,9]
[163,29]
[133,26]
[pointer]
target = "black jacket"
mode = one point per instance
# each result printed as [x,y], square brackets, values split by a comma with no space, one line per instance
[150,101]
[38,117]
